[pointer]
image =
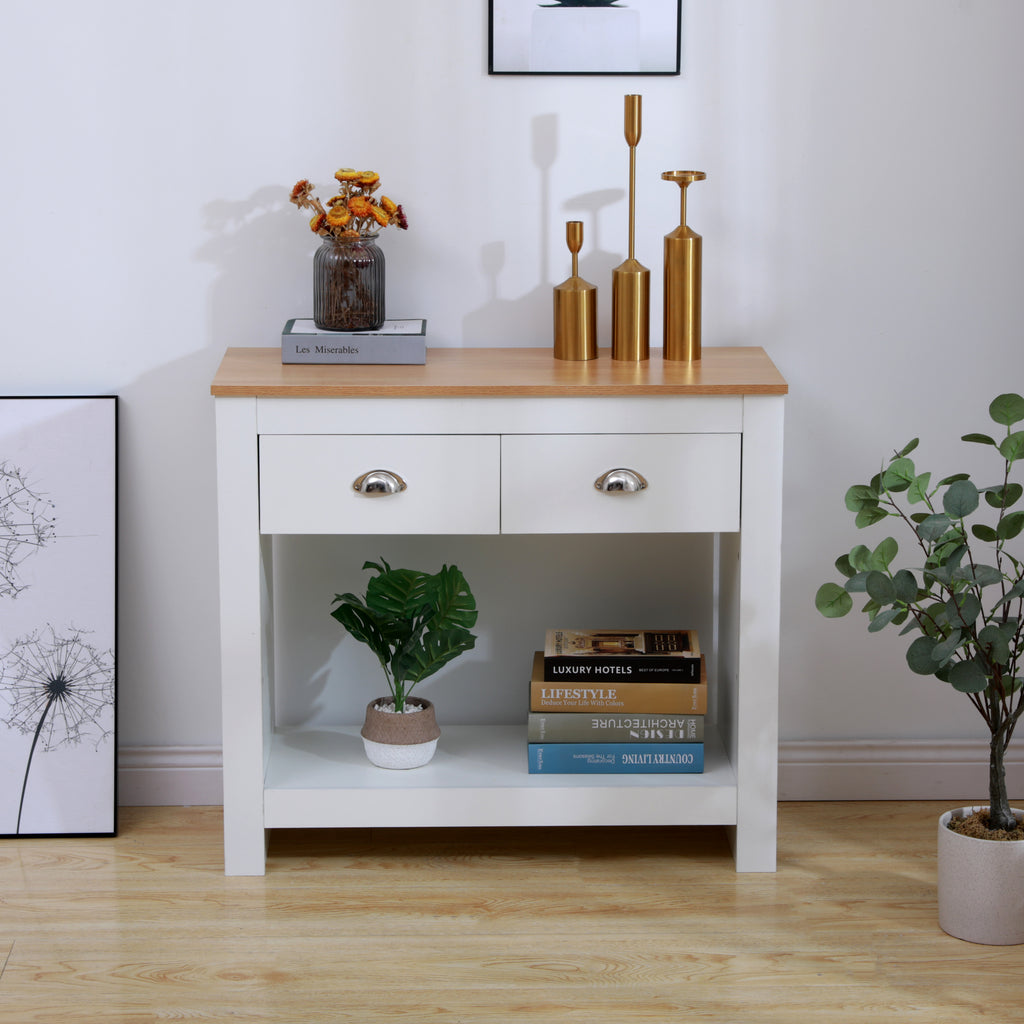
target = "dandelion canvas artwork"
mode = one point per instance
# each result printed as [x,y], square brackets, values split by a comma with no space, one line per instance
[58,615]
[584,37]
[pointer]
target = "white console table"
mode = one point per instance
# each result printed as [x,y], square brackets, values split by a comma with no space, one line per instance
[526,436]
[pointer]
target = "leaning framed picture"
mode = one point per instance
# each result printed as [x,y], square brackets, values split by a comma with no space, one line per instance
[58,616]
[584,37]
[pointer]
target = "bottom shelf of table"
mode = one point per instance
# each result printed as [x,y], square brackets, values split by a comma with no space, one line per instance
[320,778]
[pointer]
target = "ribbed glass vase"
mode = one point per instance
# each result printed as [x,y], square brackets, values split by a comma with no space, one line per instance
[348,284]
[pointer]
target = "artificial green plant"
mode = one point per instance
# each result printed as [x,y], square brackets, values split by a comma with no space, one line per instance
[413,621]
[962,596]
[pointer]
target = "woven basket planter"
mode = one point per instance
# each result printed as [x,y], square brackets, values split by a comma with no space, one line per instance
[406,740]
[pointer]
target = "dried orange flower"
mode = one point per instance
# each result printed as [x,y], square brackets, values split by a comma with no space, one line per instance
[302,189]
[353,212]
[360,206]
[338,216]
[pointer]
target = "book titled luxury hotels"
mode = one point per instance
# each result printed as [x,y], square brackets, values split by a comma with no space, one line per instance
[395,341]
[655,655]
[619,695]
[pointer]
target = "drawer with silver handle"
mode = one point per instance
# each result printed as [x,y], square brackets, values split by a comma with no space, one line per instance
[379,484]
[612,483]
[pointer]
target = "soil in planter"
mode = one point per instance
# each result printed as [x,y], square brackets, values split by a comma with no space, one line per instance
[976,826]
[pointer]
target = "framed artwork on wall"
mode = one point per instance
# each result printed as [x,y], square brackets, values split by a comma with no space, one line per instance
[584,37]
[58,616]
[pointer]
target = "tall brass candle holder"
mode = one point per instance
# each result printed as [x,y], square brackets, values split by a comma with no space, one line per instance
[575,306]
[682,279]
[631,281]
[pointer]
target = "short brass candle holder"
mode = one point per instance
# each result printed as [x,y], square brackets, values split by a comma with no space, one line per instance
[631,281]
[682,279]
[575,306]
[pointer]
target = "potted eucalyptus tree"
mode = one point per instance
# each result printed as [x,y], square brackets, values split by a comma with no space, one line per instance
[415,623]
[960,596]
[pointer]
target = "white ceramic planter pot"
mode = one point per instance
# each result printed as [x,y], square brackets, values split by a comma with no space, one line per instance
[981,885]
[406,740]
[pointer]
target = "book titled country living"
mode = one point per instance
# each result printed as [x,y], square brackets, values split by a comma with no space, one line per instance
[663,655]
[625,758]
[598,727]
[618,694]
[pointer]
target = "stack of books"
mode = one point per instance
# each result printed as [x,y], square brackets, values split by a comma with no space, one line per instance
[617,701]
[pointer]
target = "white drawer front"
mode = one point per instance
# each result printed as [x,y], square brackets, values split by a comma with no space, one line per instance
[547,483]
[452,483]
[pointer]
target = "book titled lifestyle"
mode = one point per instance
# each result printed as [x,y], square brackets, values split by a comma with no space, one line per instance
[595,727]
[395,341]
[624,758]
[662,655]
[618,694]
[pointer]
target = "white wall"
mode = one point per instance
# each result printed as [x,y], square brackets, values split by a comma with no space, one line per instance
[862,221]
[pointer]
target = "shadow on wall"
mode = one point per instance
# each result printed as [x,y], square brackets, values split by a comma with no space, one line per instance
[169,650]
[326,677]
[528,320]
[263,251]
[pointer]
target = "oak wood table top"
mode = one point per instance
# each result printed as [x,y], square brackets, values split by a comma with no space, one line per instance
[465,372]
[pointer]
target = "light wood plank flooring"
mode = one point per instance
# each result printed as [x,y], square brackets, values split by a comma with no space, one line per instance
[604,926]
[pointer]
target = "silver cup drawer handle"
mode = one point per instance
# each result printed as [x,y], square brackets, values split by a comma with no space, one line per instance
[378,483]
[620,481]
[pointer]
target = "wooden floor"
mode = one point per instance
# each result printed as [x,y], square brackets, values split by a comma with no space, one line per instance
[458,927]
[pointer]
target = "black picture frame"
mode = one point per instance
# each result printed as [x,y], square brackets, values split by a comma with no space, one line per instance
[58,615]
[584,37]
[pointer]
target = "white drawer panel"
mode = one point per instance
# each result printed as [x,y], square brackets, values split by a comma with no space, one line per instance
[306,483]
[547,483]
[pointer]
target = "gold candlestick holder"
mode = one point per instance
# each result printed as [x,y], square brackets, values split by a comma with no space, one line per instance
[682,279]
[631,281]
[575,306]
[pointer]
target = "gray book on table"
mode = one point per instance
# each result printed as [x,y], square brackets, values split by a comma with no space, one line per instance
[396,341]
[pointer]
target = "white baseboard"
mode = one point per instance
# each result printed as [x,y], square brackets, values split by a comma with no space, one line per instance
[953,770]
[169,776]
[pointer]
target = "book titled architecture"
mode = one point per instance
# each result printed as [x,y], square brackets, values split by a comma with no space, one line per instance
[625,758]
[594,727]
[618,694]
[395,341]
[663,655]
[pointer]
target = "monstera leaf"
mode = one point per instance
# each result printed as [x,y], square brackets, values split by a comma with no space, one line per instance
[414,622]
